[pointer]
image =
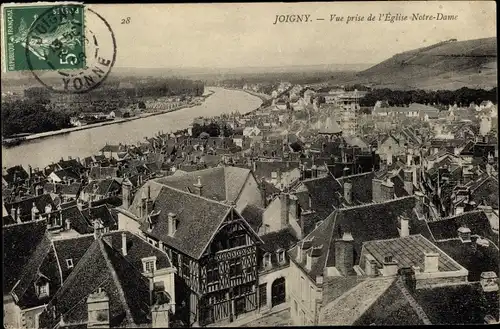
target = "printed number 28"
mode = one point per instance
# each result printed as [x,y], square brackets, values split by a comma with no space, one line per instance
[126,20]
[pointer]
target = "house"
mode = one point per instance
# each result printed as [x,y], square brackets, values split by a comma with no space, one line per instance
[390,147]
[251,131]
[211,245]
[224,184]
[273,269]
[325,258]
[31,274]
[122,280]
[98,172]
[66,176]
[14,175]
[25,210]
[100,189]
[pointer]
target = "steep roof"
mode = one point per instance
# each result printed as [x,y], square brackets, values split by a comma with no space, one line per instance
[234,179]
[474,257]
[26,205]
[103,172]
[102,267]
[19,243]
[375,221]
[409,251]
[253,215]
[198,218]
[476,221]
[283,239]
[74,249]
[458,304]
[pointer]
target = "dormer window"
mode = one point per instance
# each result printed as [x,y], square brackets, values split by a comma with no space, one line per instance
[149,264]
[266,260]
[42,286]
[274,175]
[69,263]
[281,256]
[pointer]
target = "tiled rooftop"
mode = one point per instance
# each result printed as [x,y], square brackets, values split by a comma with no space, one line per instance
[409,251]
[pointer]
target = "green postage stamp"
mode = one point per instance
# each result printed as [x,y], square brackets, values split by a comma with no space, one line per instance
[43,37]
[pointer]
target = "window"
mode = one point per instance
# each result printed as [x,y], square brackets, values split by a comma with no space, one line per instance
[44,290]
[281,256]
[311,298]
[213,274]
[69,263]
[185,269]
[302,288]
[237,241]
[235,268]
[263,295]
[266,260]
[149,264]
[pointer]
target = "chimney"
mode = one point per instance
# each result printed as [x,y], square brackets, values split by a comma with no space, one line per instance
[13,213]
[263,194]
[405,227]
[348,191]
[464,234]
[160,316]
[34,212]
[198,186]
[431,262]
[376,190]
[390,266]
[124,244]
[344,254]
[408,181]
[285,208]
[126,194]
[68,223]
[306,245]
[98,309]
[489,281]
[172,223]
[370,265]
[314,171]
[299,252]
[294,205]
[387,190]
[312,256]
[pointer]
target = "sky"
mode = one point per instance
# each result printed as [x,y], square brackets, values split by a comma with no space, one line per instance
[243,35]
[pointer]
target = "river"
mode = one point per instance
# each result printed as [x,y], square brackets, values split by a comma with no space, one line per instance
[82,143]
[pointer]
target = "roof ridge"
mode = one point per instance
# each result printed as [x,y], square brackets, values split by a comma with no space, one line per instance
[57,260]
[455,216]
[399,237]
[116,280]
[24,223]
[194,195]
[375,203]
[74,271]
[355,175]
[38,248]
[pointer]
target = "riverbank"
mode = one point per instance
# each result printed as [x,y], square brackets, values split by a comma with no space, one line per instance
[87,142]
[263,97]
[16,141]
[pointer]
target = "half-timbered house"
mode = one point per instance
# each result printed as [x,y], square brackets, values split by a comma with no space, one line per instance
[213,248]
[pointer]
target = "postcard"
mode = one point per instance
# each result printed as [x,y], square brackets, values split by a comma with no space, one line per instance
[249,164]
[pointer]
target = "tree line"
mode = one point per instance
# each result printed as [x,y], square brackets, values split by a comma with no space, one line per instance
[462,97]
[26,116]
[212,129]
